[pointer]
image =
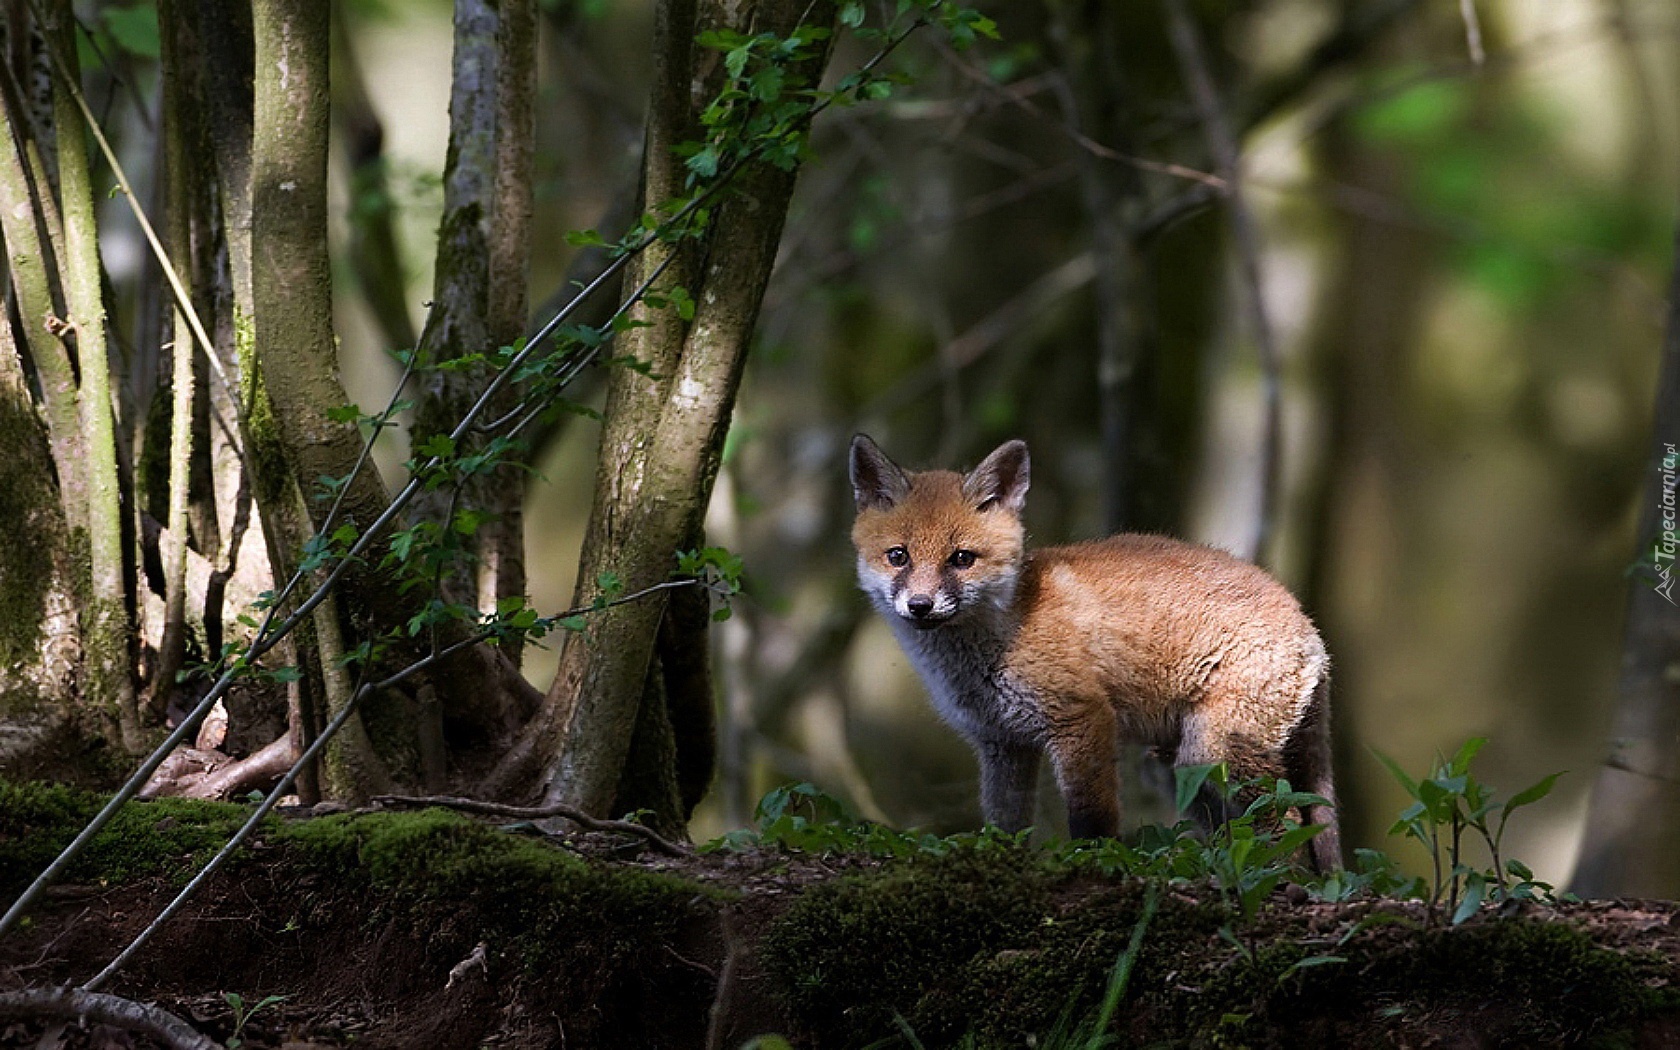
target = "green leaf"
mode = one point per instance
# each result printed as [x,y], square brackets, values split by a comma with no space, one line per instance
[467,520]
[1460,763]
[1533,793]
[1397,773]
[345,413]
[1475,887]
[851,14]
[1437,800]
[736,60]
[585,239]
[704,163]
[766,84]
[1190,780]
[1314,960]
[439,445]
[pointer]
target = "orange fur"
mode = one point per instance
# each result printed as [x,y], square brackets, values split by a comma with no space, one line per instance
[1069,650]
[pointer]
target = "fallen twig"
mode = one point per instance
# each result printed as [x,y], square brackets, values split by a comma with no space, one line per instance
[576,816]
[73,1004]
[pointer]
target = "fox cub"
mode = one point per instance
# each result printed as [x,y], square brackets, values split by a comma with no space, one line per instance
[1072,649]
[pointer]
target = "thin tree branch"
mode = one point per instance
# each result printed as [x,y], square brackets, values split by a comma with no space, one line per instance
[71,1004]
[1079,138]
[556,809]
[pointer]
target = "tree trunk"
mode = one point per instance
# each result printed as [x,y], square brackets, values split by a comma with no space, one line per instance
[664,428]
[39,654]
[479,292]
[1634,816]
[295,356]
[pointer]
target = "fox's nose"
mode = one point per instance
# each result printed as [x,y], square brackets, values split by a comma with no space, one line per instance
[919,605]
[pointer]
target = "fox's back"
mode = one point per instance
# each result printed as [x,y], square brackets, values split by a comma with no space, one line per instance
[1156,622]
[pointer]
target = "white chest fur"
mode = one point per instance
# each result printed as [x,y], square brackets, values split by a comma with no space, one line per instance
[962,665]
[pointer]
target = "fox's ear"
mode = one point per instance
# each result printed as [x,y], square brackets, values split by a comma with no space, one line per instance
[876,480]
[1001,479]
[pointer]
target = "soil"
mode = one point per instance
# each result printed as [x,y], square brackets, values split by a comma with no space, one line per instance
[704,951]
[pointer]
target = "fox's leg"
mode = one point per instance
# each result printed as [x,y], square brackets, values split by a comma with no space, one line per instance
[1008,783]
[1085,754]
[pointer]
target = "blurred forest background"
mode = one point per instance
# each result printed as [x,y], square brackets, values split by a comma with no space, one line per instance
[1455,235]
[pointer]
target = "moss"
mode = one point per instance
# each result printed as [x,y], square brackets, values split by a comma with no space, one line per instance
[994,949]
[29,507]
[163,836]
[1555,983]
[972,943]
[551,904]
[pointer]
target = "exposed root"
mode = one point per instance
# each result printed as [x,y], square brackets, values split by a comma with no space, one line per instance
[73,1004]
[576,816]
[192,773]
[259,770]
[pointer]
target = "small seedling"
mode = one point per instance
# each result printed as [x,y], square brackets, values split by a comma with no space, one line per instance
[1448,803]
[243,1012]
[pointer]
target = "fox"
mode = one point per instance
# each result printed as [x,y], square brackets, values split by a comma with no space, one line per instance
[1070,650]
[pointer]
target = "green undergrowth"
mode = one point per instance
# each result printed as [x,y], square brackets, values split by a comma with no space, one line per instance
[171,836]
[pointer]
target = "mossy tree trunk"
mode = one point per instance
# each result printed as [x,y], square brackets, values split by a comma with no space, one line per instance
[107,634]
[623,682]
[53,260]
[38,655]
[294,359]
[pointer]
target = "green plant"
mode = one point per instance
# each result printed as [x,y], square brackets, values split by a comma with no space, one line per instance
[804,817]
[1246,856]
[1374,874]
[1445,805]
[243,1012]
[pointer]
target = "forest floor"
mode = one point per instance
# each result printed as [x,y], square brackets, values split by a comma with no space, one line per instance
[430,930]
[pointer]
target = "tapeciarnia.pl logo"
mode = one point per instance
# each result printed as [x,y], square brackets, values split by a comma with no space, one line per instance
[1662,555]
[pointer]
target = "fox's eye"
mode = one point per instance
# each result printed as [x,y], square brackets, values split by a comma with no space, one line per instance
[962,559]
[898,557]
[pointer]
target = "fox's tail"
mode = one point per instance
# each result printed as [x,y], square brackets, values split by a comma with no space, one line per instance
[1310,757]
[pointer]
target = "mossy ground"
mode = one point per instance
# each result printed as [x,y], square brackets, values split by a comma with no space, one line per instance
[169,837]
[361,919]
[998,949]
